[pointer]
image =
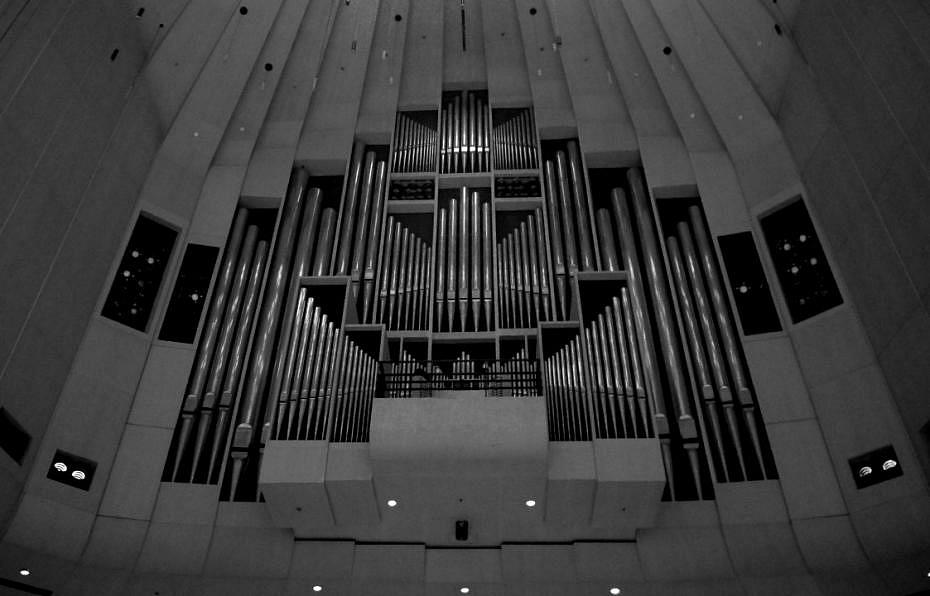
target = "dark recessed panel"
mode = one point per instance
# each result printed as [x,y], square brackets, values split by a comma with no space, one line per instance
[412,190]
[13,438]
[507,187]
[750,289]
[806,279]
[72,470]
[139,275]
[875,466]
[190,291]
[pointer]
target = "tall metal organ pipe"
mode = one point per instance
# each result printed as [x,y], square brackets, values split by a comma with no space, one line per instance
[237,359]
[221,358]
[268,323]
[194,393]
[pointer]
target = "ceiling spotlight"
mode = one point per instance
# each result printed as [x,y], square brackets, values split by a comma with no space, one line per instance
[61,467]
[24,572]
[317,588]
[889,464]
[615,591]
[464,590]
[392,503]
[531,503]
[78,475]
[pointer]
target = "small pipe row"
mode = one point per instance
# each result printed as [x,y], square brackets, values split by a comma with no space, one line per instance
[524,275]
[515,143]
[402,283]
[414,144]
[465,125]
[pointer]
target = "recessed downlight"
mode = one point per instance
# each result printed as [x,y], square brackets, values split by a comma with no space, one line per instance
[24,572]
[531,503]
[317,588]
[464,590]
[615,591]
[391,503]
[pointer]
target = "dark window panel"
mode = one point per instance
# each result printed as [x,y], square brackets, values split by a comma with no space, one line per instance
[747,280]
[189,296]
[805,276]
[135,286]
[13,438]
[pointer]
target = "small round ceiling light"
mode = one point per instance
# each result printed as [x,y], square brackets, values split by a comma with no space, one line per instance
[78,475]
[615,591]
[24,572]
[391,503]
[531,503]
[464,590]
[317,588]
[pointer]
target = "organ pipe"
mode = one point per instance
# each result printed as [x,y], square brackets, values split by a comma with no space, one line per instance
[268,324]
[194,394]
[237,357]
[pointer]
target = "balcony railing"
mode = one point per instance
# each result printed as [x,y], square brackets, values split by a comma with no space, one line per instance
[439,378]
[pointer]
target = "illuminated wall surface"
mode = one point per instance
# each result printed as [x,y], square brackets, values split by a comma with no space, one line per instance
[465,297]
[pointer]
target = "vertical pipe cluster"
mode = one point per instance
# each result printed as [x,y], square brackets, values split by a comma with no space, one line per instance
[517,376]
[465,124]
[515,141]
[463,273]
[348,411]
[402,283]
[248,329]
[569,220]
[359,238]
[568,394]
[204,424]
[664,365]
[727,402]
[525,276]
[621,409]
[415,142]
[406,377]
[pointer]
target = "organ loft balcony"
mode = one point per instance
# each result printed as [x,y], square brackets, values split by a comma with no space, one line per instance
[481,456]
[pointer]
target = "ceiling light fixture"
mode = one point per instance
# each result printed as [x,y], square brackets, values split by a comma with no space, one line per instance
[531,503]
[24,572]
[391,503]
[615,591]
[317,588]
[464,590]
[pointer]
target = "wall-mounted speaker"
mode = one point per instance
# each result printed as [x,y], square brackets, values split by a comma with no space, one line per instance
[72,470]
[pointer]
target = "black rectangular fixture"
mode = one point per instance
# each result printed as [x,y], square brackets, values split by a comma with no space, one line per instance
[803,271]
[747,280]
[138,277]
[72,470]
[13,438]
[461,530]
[190,294]
[875,466]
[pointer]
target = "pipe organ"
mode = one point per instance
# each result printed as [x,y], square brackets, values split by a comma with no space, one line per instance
[471,256]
